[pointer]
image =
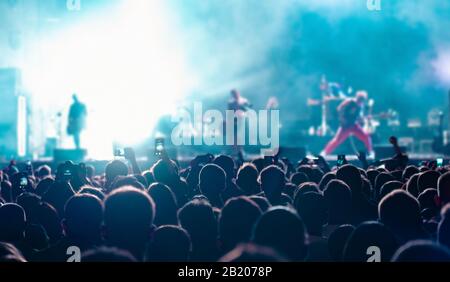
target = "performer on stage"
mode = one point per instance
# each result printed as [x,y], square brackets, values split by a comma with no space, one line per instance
[239,105]
[237,102]
[350,113]
[77,120]
[323,107]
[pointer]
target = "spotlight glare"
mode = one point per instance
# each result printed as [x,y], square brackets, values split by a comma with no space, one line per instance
[122,64]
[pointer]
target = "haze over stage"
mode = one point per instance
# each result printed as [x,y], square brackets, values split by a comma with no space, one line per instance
[141,60]
[225,131]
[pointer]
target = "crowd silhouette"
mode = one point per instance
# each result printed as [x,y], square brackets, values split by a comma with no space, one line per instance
[222,209]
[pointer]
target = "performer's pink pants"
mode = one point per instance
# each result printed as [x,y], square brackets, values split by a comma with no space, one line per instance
[344,133]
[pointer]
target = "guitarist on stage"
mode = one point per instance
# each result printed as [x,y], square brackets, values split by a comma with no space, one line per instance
[349,116]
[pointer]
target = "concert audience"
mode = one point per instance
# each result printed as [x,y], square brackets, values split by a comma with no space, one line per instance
[223,209]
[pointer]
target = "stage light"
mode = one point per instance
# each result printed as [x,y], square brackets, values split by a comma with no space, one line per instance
[123,62]
[441,67]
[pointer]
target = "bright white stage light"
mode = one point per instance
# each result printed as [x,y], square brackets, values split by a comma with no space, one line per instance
[21,126]
[124,63]
[441,67]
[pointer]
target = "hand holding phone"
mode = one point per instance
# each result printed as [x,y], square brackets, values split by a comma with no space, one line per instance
[341,160]
[23,181]
[29,168]
[160,149]
[322,163]
[439,162]
[304,161]
[65,171]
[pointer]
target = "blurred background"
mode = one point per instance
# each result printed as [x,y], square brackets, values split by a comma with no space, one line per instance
[135,62]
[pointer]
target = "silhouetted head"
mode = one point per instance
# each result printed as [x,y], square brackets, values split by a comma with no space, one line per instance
[306,188]
[142,180]
[212,182]
[372,175]
[272,181]
[129,214]
[326,179]
[165,203]
[338,198]
[47,216]
[422,251]
[337,241]
[351,176]
[6,191]
[428,199]
[29,202]
[148,177]
[299,178]
[443,235]
[114,169]
[262,202]
[43,171]
[260,164]
[122,181]
[36,237]
[443,188]
[90,171]
[408,172]
[400,212]
[247,179]
[380,180]
[236,221]
[282,229]
[227,164]
[388,187]
[367,235]
[306,169]
[312,209]
[427,179]
[57,195]
[165,171]
[290,190]
[411,185]
[83,216]
[170,243]
[197,217]
[366,188]
[315,175]
[13,222]
[92,191]
[43,186]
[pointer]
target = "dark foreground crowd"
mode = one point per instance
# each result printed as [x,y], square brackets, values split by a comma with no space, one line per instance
[221,209]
